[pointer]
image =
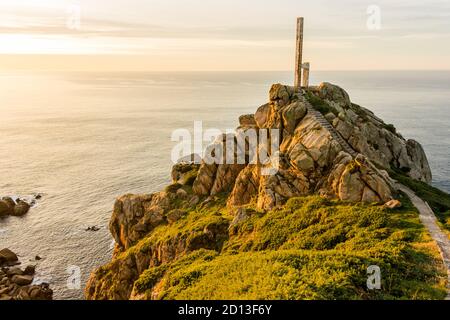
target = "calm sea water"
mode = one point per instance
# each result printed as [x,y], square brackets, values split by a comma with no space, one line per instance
[82,139]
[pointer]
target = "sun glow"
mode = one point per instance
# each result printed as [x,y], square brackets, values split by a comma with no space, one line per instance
[220,35]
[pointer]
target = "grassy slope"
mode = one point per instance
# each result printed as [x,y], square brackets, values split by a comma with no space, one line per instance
[311,249]
[438,200]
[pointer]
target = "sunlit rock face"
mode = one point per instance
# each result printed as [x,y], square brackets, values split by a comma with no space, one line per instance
[370,136]
[311,160]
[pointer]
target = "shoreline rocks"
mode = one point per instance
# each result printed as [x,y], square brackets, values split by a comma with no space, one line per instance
[16,284]
[17,207]
[5,207]
[8,258]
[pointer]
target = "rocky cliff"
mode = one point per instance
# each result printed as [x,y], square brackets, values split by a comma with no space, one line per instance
[328,147]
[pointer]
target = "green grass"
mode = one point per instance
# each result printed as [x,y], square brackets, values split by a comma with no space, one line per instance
[438,200]
[391,128]
[311,249]
[189,231]
[173,188]
[190,177]
[319,104]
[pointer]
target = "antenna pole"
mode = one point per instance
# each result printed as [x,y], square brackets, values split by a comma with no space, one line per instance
[299,54]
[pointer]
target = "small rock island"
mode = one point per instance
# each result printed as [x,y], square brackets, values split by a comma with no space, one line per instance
[11,207]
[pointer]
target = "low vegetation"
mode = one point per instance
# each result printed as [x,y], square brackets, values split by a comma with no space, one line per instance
[438,200]
[319,104]
[312,248]
[360,112]
[390,127]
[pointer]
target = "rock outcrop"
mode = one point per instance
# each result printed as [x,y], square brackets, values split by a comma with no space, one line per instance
[16,284]
[369,135]
[17,207]
[7,207]
[342,152]
[310,159]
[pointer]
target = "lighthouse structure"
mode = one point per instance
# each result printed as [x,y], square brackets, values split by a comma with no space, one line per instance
[301,69]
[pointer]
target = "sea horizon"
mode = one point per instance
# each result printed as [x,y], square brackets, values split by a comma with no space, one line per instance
[81,139]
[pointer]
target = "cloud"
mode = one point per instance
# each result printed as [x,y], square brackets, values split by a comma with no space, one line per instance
[336,32]
[432,17]
[51,24]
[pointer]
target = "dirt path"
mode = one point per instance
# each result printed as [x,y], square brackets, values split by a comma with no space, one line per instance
[429,220]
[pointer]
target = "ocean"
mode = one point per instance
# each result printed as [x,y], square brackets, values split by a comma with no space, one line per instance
[82,139]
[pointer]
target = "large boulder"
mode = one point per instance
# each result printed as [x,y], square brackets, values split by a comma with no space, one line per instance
[276,189]
[9,207]
[185,173]
[247,120]
[5,209]
[357,180]
[204,182]
[22,280]
[418,163]
[393,204]
[330,92]
[136,215]
[281,95]
[262,115]
[219,169]
[246,186]
[7,257]
[11,203]
[292,115]
[21,208]
[40,292]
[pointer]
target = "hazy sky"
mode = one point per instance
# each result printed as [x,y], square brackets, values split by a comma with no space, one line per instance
[222,34]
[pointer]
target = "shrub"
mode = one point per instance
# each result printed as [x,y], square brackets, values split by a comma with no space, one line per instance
[190,177]
[319,104]
[312,248]
[438,200]
[391,128]
[173,188]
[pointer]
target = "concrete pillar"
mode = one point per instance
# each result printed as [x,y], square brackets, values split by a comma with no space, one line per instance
[298,55]
[305,82]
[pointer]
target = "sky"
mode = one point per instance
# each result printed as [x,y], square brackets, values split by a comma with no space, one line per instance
[232,35]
